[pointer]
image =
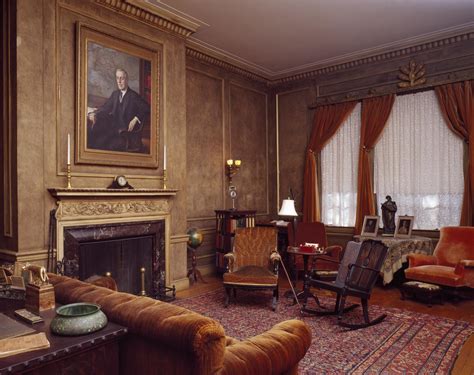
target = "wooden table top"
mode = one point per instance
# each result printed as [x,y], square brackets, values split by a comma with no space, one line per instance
[61,346]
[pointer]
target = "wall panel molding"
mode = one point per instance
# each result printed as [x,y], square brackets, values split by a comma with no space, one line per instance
[247,140]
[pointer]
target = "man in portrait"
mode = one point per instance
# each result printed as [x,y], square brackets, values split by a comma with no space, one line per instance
[404,227]
[117,125]
[370,226]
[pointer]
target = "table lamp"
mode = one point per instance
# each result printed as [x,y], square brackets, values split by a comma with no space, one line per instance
[288,209]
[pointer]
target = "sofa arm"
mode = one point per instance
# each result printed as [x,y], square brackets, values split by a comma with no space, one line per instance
[415,260]
[276,351]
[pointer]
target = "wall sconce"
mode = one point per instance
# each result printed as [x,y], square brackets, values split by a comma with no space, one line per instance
[232,167]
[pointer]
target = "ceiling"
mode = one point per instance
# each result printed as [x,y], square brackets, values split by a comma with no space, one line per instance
[283,37]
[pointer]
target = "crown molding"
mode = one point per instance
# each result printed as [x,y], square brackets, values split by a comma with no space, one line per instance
[202,56]
[389,51]
[152,15]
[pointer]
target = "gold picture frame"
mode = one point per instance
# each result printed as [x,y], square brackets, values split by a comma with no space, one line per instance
[370,226]
[118,100]
[404,226]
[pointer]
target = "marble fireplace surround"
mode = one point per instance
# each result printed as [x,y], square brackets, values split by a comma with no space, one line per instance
[103,208]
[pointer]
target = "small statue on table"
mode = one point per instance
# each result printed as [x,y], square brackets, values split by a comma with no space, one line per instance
[389,208]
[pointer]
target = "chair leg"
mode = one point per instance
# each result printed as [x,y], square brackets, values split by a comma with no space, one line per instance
[340,308]
[227,297]
[365,309]
[275,298]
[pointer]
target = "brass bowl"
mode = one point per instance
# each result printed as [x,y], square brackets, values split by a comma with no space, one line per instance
[78,319]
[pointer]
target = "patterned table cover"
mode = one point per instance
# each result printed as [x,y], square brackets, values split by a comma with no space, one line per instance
[398,249]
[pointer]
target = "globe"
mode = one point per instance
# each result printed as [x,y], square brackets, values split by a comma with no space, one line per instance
[194,238]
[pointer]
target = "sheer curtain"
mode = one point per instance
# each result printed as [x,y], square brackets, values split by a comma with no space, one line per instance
[419,162]
[339,160]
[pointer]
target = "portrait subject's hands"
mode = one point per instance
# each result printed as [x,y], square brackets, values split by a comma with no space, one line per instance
[92,117]
[132,123]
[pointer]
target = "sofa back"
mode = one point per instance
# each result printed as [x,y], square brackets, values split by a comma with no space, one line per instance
[455,244]
[163,338]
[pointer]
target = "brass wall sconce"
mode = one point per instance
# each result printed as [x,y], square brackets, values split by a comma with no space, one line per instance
[232,167]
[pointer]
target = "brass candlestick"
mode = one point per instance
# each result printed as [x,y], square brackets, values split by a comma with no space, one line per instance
[69,176]
[164,178]
[143,292]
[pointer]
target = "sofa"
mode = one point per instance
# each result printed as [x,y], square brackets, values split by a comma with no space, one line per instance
[164,338]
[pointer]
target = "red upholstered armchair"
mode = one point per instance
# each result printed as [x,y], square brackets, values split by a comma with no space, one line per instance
[315,232]
[452,262]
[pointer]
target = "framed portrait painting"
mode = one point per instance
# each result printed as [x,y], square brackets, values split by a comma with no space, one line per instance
[404,226]
[118,90]
[370,226]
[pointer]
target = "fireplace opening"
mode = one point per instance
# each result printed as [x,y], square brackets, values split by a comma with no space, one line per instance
[121,249]
[123,259]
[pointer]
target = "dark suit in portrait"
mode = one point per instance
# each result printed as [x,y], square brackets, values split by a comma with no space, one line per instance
[111,129]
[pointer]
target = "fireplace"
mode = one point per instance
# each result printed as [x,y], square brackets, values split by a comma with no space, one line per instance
[121,232]
[121,250]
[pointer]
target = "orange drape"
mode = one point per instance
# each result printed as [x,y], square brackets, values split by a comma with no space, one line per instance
[327,120]
[375,112]
[457,105]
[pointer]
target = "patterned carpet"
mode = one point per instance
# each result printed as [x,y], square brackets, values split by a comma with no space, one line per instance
[404,343]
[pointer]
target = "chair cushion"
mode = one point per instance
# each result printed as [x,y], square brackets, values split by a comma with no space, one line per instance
[251,275]
[435,274]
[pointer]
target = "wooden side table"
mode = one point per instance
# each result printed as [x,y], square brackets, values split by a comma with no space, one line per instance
[95,353]
[306,293]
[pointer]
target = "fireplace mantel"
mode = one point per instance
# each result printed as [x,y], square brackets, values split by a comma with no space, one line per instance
[74,193]
[96,207]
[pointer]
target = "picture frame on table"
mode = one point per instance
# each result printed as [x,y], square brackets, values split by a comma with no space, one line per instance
[370,226]
[118,100]
[404,226]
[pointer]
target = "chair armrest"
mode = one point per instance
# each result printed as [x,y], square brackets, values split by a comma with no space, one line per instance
[275,257]
[415,260]
[276,351]
[230,258]
[468,263]
[334,251]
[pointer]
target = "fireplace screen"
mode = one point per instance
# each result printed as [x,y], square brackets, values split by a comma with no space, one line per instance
[123,250]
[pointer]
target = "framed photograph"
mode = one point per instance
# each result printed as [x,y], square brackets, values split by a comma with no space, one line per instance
[370,226]
[404,226]
[118,101]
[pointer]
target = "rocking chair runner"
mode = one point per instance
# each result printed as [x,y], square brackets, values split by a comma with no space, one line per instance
[358,272]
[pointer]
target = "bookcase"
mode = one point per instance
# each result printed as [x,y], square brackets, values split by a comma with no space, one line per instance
[226,223]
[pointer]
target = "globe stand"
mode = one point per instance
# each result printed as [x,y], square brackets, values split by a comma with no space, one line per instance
[194,272]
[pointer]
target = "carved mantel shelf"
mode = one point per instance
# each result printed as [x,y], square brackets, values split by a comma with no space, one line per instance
[84,193]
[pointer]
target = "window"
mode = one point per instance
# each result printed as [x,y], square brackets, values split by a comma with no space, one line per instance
[339,160]
[419,163]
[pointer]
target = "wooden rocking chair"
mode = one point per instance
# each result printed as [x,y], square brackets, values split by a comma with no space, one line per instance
[358,272]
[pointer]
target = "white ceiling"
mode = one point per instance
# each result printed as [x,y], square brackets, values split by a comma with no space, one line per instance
[282,37]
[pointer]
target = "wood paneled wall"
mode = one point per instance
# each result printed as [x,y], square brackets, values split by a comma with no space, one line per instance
[228,117]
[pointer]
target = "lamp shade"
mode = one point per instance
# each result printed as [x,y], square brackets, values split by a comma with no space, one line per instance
[288,208]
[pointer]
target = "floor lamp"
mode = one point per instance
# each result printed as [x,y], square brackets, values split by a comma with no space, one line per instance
[288,209]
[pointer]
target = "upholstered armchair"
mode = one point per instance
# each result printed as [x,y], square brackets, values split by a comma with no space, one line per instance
[253,263]
[327,265]
[452,262]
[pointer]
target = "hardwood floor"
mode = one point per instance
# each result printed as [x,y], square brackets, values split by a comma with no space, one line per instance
[388,296]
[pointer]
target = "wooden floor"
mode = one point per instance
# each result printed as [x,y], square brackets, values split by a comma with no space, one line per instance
[388,296]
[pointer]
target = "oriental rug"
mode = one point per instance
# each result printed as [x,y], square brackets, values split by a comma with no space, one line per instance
[404,343]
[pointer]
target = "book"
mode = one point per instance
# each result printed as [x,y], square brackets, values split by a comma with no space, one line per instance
[28,316]
[12,328]
[22,344]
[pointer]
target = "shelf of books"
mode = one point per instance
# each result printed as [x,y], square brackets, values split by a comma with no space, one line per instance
[226,223]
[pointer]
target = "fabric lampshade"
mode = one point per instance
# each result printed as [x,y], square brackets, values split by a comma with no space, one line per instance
[288,208]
